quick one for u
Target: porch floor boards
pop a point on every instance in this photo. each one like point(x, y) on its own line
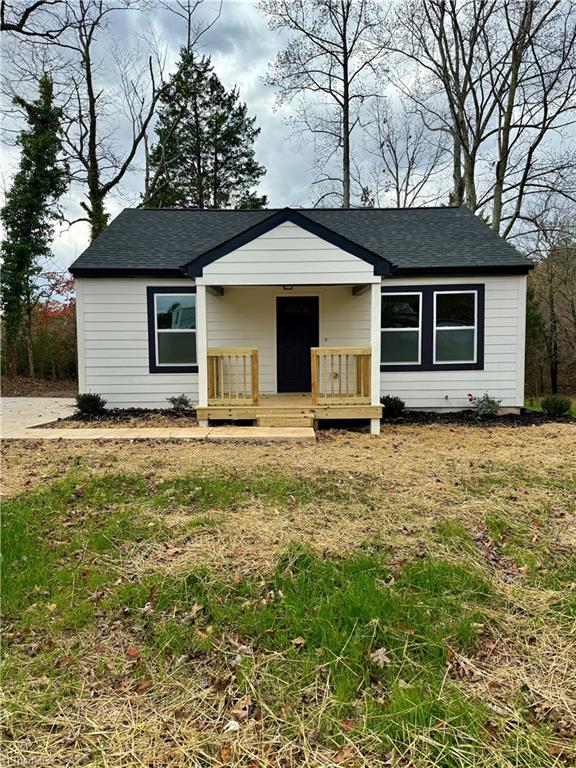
point(291, 409)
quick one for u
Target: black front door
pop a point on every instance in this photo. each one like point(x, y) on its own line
point(296, 332)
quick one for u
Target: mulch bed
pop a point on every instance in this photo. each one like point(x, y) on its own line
point(526, 418)
point(130, 417)
point(162, 417)
point(24, 386)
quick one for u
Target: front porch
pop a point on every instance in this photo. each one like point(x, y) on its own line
point(288, 355)
point(340, 389)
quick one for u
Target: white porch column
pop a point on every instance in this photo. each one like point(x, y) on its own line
point(202, 345)
point(375, 338)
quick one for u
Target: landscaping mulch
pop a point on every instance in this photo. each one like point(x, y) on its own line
point(129, 417)
point(527, 418)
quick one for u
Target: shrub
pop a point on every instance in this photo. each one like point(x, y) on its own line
point(181, 403)
point(556, 406)
point(392, 406)
point(486, 406)
point(90, 404)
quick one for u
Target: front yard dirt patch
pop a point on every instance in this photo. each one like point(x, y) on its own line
point(23, 386)
point(406, 600)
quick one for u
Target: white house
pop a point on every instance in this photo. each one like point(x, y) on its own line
point(287, 316)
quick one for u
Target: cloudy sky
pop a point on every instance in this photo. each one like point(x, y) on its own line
point(241, 46)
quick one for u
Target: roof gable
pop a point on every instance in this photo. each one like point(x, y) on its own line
point(195, 267)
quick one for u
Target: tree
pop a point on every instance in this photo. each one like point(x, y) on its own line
point(332, 54)
point(45, 19)
point(204, 156)
point(108, 96)
point(553, 287)
point(501, 82)
point(409, 161)
point(30, 213)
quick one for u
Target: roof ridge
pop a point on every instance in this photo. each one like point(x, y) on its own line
point(293, 208)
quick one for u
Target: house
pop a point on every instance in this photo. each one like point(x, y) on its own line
point(285, 316)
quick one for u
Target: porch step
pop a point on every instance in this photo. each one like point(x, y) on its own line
point(285, 420)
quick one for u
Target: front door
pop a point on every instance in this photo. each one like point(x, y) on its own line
point(297, 329)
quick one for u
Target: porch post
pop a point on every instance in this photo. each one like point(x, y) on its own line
point(202, 346)
point(375, 337)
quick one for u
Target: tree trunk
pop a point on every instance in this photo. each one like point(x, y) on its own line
point(553, 340)
point(345, 129)
point(96, 214)
point(11, 354)
point(29, 343)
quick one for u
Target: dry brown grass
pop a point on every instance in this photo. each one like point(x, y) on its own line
point(403, 486)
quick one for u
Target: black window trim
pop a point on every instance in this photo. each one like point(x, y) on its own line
point(427, 333)
point(153, 366)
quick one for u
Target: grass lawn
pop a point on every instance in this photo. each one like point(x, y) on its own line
point(406, 600)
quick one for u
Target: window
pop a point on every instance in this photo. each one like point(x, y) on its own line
point(400, 328)
point(172, 330)
point(432, 327)
point(454, 327)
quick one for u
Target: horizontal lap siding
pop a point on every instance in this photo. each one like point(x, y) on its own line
point(288, 254)
point(503, 372)
point(245, 316)
point(114, 348)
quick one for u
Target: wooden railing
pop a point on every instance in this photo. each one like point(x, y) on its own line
point(233, 376)
point(341, 375)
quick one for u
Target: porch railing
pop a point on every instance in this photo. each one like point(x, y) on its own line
point(233, 376)
point(341, 375)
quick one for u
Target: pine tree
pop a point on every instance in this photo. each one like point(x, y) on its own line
point(204, 156)
point(29, 214)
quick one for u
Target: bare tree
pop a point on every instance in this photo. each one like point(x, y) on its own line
point(188, 11)
point(501, 80)
point(409, 161)
point(553, 283)
point(46, 19)
point(108, 96)
point(327, 68)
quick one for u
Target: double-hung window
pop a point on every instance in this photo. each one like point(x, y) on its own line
point(172, 330)
point(401, 328)
point(432, 327)
point(455, 323)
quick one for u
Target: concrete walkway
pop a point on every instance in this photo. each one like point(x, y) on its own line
point(211, 434)
point(22, 412)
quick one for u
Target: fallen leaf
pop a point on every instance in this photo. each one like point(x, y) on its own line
point(380, 657)
point(124, 685)
point(134, 653)
point(225, 753)
point(347, 723)
point(143, 686)
point(242, 708)
point(298, 642)
point(343, 755)
point(232, 726)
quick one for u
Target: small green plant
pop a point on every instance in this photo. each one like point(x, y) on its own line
point(181, 403)
point(486, 406)
point(392, 406)
point(89, 404)
point(556, 406)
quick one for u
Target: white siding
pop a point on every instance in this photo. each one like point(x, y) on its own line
point(246, 317)
point(113, 344)
point(503, 374)
point(290, 255)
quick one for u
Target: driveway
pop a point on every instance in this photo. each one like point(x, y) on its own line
point(19, 412)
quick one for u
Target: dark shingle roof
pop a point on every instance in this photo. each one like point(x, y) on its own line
point(162, 241)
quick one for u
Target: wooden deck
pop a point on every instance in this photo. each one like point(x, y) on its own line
point(287, 410)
